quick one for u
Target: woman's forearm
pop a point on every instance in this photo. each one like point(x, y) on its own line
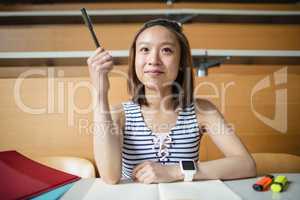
point(107, 147)
point(226, 168)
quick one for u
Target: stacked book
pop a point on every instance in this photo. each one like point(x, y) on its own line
point(23, 178)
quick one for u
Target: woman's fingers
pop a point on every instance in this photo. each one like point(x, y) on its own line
point(148, 180)
point(104, 66)
point(101, 56)
point(144, 175)
point(139, 167)
point(99, 64)
point(140, 173)
point(102, 61)
point(96, 52)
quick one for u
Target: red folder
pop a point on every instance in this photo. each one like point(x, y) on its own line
point(23, 178)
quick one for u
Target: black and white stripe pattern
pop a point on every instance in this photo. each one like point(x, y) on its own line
point(138, 143)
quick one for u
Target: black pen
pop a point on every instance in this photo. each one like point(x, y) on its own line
point(89, 24)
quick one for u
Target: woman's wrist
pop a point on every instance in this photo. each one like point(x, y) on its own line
point(176, 172)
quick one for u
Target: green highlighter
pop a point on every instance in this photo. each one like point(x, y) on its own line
point(279, 184)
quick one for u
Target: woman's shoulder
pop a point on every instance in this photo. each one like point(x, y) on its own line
point(128, 103)
point(207, 113)
point(205, 107)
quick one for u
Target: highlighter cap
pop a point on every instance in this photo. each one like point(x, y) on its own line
point(257, 187)
point(280, 183)
point(276, 187)
point(281, 179)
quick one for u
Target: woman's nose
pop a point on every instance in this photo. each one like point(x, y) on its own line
point(154, 58)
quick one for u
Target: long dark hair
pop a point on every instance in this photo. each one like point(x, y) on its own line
point(182, 87)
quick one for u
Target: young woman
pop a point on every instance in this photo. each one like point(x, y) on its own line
point(155, 137)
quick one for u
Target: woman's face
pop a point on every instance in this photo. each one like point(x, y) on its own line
point(157, 57)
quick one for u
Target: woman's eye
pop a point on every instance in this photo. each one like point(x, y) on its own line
point(167, 50)
point(144, 49)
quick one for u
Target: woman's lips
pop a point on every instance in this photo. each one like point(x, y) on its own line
point(153, 72)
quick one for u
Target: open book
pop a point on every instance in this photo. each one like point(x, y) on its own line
point(97, 189)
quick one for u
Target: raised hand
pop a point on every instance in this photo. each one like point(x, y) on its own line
point(100, 63)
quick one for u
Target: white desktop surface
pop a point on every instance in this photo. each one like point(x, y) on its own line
point(242, 187)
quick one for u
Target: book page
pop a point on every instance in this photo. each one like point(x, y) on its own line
point(200, 190)
point(124, 190)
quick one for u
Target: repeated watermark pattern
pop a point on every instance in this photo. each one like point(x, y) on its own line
point(279, 122)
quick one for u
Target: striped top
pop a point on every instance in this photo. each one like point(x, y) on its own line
point(141, 144)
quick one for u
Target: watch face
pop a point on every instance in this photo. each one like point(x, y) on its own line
point(188, 165)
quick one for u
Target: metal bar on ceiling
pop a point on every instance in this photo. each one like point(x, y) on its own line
point(78, 58)
point(142, 15)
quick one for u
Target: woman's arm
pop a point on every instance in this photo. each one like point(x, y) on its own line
point(107, 123)
point(108, 143)
point(237, 163)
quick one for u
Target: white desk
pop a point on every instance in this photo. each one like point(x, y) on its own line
point(243, 188)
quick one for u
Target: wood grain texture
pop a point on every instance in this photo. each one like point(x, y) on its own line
point(119, 36)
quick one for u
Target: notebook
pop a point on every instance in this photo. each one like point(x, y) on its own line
point(23, 178)
point(211, 190)
point(55, 193)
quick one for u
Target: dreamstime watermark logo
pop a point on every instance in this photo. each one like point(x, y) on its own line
point(279, 122)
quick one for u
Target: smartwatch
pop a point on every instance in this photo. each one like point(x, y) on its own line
point(188, 168)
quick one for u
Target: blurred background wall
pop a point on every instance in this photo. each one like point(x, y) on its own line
point(60, 129)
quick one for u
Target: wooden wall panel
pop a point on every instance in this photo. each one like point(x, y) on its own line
point(257, 136)
point(119, 36)
point(52, 133)
point(256, 144)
